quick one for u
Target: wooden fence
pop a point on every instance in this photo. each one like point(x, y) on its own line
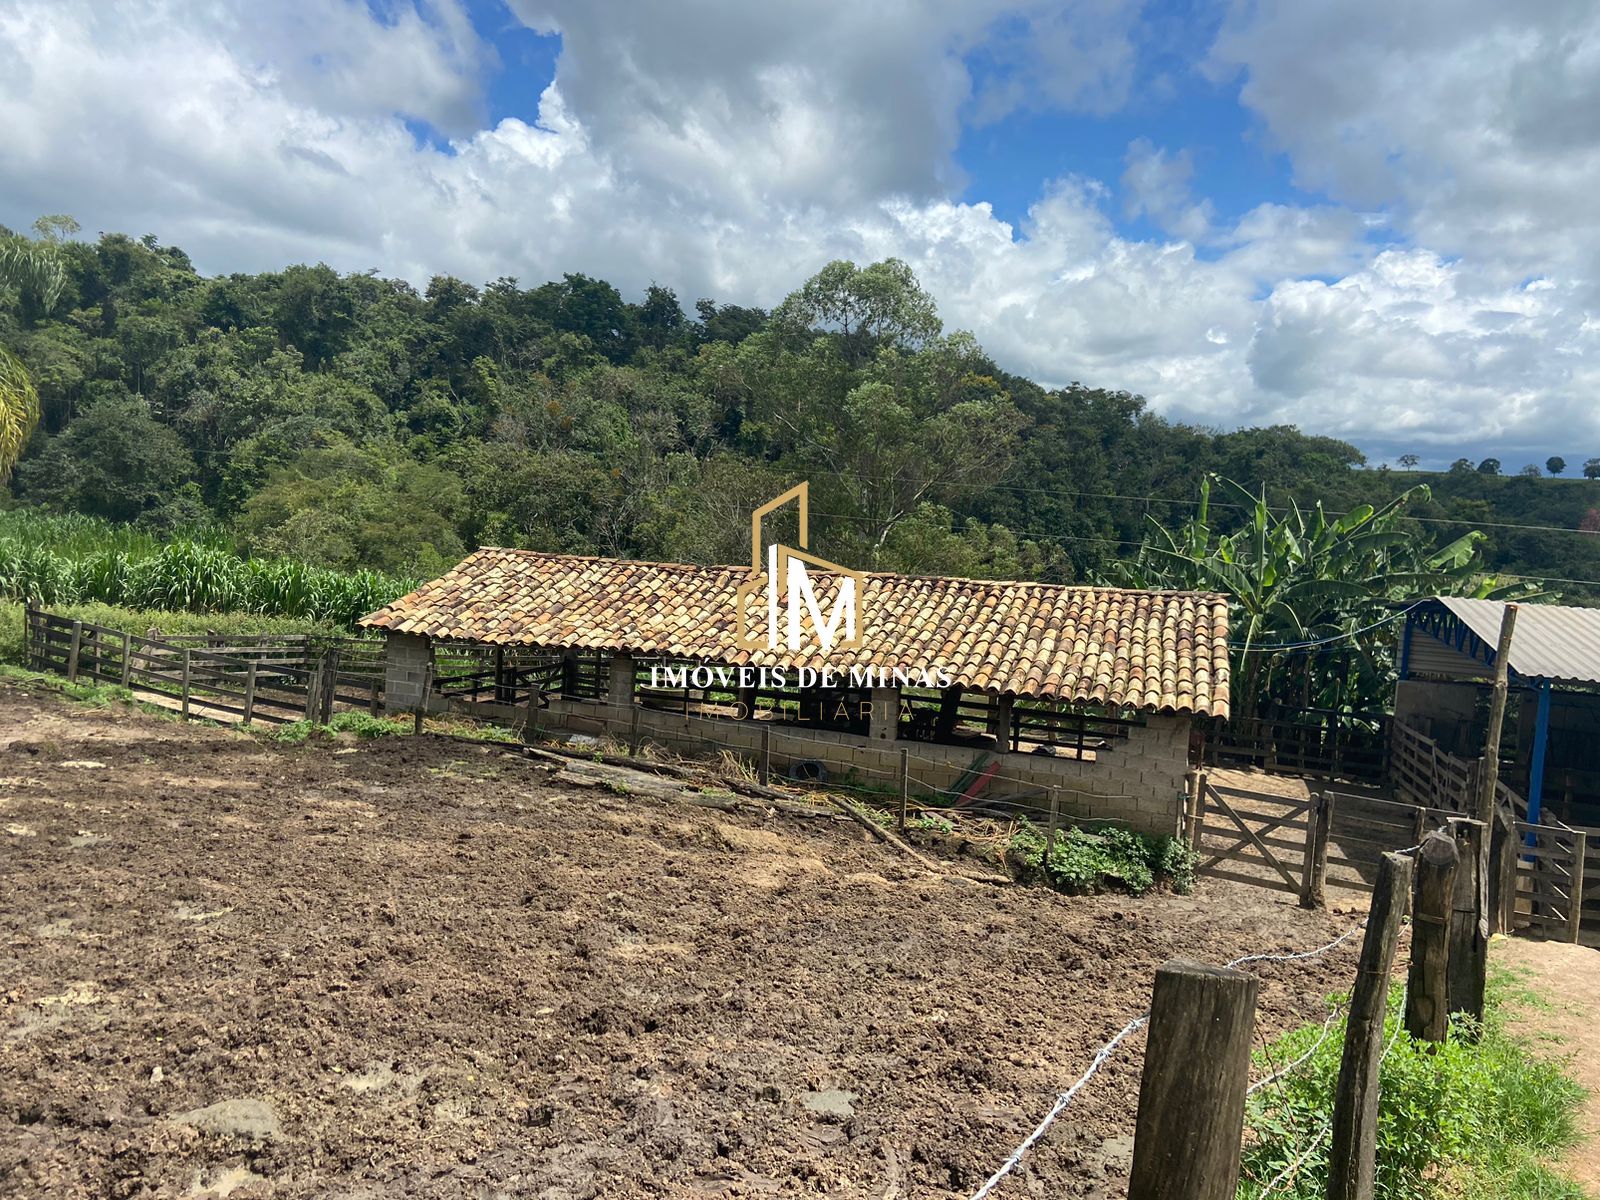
point(1317, 743)
point(271, 679)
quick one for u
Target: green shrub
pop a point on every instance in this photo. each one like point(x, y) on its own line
point(1480, 1113)
point(1081, 862)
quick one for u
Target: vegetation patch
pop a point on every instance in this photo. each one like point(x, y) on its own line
point(54, 560)
point(1080, 861)
point(1475, 1118)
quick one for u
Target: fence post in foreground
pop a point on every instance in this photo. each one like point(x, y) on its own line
point(1196, 1070)
point(1427, 984)
point(1469, 948)
point(1353, 1152)
point(186, 653)
point(74, 650)
point(905, 787)
point(766, 753)
point(127, 657)
point(633, 732)
point(250, 692)
point(1055, 820)
point(1314, 877)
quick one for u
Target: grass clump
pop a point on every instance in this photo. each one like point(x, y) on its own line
point(1081, 861)
point(1472, 1118)
point(363, 725)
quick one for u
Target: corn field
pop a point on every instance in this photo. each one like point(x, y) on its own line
point(47, 560)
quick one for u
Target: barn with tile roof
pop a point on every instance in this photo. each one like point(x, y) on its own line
point(998, 689)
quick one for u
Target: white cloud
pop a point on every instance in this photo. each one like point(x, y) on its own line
point(730, 150)
point(1156, 184)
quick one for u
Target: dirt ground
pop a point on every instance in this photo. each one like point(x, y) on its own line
point(1567, 978)
point(414, 967)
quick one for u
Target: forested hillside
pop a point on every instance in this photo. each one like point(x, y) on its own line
point(352, 421)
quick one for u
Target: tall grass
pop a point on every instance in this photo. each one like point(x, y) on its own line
point(1476, 1119)
point(60, 560)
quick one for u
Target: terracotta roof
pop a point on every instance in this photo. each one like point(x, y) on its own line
point(1157, 651)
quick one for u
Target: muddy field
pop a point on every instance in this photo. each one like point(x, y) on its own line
point(417, 967)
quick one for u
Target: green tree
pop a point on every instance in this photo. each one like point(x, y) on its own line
point(115, 461)
point(345, 506)
point(1489, 466)
point(1555, 464)
point(1591, 469)
point(1409, 461)
point(855, 387)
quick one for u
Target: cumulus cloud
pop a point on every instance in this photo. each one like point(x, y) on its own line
point(1440, 294)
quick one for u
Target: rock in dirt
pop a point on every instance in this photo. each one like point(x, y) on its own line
point(82, 764)
point(831, 1103)
point(237, 1118)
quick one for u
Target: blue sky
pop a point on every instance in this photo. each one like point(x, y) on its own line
point(1373, 221)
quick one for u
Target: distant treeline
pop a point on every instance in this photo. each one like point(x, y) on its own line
point(352, 422)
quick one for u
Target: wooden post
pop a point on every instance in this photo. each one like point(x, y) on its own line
point(1469, 947)
point(1489, 775)
point(127, 657)
point(1502, 874)
point(74, 650)
point(633, 731)
point(330, 683)
point(1055, 818)
point(1489, 769)
point(905, 787)
point(1352, 1155)
point(375, 705)
point(1197, 808)
point(250, 691)
point(186, 653)
point(766, 753)
point(1314, 880)
point(422, 704)
point(1580, 850)
point(1191, 1096)
point(1427, 992)
point(1419, 825)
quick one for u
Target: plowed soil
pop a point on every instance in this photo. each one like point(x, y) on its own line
point(416, 967)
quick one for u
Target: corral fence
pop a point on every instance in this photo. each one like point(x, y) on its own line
point(1540, 870)
point(1323, 743)
point(275, 679)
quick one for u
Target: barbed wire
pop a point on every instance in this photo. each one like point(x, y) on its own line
point(1289, 1068)
point(1105, 1052)
point(1292, 1168)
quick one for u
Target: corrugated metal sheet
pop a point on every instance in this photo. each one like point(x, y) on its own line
point(1552, 641)
point(1427, 656)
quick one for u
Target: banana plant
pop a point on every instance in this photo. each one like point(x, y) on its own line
point(1313, 596)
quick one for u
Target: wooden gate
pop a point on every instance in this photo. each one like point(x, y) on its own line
point(1551, 865)
point(1253, 837)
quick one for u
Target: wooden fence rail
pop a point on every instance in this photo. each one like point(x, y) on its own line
point(275, 679)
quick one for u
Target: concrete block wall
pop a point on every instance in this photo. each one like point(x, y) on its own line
point(1138, 782)
point(405, 674)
